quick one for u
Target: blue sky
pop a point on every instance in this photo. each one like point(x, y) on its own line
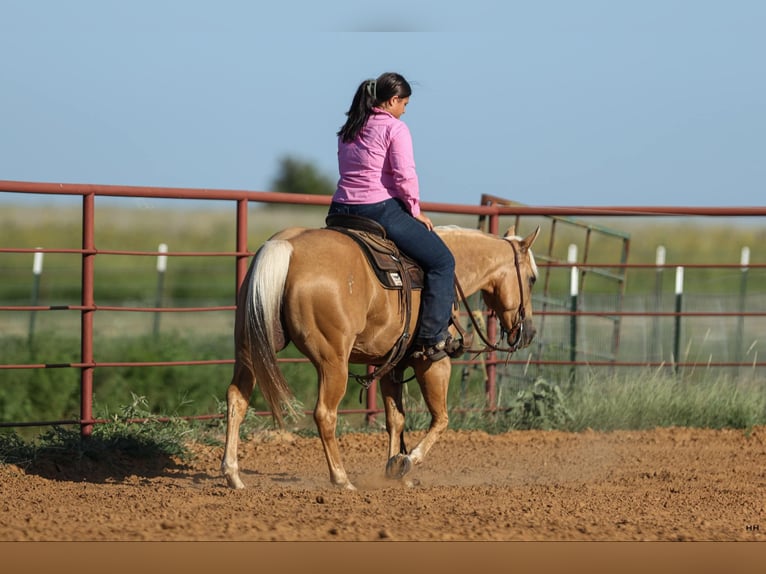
point(547, 103)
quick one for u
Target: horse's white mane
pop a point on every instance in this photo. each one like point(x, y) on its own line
point(458, 229)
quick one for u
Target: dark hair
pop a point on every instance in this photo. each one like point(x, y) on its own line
point(369, 94)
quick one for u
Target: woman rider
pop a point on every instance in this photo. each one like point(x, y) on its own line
point(378, 181)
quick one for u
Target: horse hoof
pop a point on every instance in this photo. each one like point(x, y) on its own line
point(235, 482)
point(398, 466)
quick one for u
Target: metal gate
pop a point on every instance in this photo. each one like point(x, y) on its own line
point(561, 260)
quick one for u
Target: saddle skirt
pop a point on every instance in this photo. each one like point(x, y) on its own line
point(393, 269)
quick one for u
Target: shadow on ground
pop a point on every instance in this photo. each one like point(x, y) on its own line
point(92, 459)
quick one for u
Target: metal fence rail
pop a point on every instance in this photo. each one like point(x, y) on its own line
point(240, 201)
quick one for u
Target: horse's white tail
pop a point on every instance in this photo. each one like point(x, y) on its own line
point(261, 330)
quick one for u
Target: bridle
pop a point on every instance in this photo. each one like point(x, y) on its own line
point(516, 331)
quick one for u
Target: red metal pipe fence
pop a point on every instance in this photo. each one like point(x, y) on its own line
point(88, 306)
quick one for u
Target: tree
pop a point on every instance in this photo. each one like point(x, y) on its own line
point(299, 176)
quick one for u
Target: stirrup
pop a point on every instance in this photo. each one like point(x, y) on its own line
point(448, 347)
point(454, 347)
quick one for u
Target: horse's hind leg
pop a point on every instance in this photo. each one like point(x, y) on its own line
point(332, 387)
point(237, 400)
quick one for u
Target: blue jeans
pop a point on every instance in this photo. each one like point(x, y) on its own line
point(428, 250)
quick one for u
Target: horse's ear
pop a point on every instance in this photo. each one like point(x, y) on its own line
point(527, 242)
point(511, 231)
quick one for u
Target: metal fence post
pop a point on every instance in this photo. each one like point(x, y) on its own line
point(241, 245)
point(37, 270)
point(86, 314)
point(372, 395)
point(745, 263)
point(654, 344)
point(574, 290)
point(162, 265)
point(679, 305)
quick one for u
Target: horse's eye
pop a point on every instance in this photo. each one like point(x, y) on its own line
point(532, 280)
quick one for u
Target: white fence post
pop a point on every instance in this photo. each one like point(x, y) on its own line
point(574, 289)
point(37, 271)
point(679, 305)
point(744, 261)
point(162, 265)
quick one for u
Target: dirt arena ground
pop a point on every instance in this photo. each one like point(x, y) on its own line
point(661, 485)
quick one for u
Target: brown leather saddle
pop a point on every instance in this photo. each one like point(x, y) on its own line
point(393, 268)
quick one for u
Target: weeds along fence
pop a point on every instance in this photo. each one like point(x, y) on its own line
point(705, 313)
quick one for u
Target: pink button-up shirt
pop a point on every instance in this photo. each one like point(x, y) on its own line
point(379, 164)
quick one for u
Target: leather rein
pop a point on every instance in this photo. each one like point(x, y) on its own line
point(516, 330)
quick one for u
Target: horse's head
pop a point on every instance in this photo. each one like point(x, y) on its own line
point(510, 295)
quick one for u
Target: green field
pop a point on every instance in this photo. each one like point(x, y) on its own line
point(600, 398)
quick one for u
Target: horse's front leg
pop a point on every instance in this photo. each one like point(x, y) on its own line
point(332, 387)
point(391, 388)
point(434, 382)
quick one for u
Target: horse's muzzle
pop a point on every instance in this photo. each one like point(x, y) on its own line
point(521, 335)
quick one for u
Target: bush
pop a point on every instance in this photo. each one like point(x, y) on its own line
point(540, 407)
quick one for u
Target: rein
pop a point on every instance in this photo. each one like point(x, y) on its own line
point(518, 328)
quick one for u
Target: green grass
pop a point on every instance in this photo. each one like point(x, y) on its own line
point(633, 402)
point(646, 400)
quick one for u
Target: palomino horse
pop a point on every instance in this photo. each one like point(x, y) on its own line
point(314, 287)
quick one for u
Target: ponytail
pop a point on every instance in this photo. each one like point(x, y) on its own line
point(370, 94)
point(361, 108)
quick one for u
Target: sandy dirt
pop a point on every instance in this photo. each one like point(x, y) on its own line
point(664, 484)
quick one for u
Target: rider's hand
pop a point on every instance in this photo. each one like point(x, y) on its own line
point(424, 219)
